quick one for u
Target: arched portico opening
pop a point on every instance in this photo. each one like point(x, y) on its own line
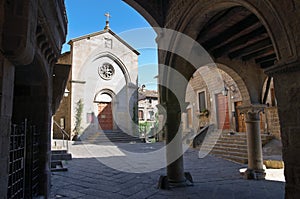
point(239, 37)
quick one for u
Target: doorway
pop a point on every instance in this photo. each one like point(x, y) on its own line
point(105, 116)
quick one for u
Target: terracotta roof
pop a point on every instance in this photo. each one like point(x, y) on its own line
point(143, 94)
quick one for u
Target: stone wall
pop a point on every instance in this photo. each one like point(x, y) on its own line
point(210, 81)
point(273, 121)
point(64, 110)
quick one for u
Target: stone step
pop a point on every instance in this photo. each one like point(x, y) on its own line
point(226, 144)
point(58, 160)
point(223, 148)
point(58, 166)
point(118, 137)
point(230, 153)
point(230, 146)
point(233, 158)
point(66, 156)
point(55, 152)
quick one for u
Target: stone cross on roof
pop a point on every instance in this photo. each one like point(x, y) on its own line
point(107, 16)
point(107, 20)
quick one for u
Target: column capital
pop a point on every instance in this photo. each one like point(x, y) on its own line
point(252, 112)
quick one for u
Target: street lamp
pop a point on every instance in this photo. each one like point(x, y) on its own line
point(66, 93)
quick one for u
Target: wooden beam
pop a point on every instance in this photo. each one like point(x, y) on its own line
point(231, 31)
point(222, 21)
point(267, 64)
point(251, 49)
point(242, 41)
point(266, 58)
point(261, 53)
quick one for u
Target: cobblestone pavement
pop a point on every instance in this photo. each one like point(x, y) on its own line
point(88, 177)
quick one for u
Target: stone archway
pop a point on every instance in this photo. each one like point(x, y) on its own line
point(253, 75)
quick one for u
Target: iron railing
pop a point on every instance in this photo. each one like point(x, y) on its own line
point(64, 134)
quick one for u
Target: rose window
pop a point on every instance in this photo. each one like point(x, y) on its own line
point(106, 71)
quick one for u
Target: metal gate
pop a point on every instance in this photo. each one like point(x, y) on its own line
point(32, 162)
point(16, 178)
point(23, 162)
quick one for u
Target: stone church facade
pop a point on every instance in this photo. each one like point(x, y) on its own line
point(104, 80)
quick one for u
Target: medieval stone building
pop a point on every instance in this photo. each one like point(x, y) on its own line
point(218, 103)
point(255, 39)
point(104, 80)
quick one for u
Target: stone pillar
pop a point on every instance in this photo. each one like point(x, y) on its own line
point(287, 91)
point(6, 106)
point(255, 168)
point(175, 169)
point(176, 177)
point(43, 123)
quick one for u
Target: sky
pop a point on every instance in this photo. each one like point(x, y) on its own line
point(87, 16)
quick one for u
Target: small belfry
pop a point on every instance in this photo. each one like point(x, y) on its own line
point(108, 16)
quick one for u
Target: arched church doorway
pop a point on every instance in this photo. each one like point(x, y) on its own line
point(105, 115)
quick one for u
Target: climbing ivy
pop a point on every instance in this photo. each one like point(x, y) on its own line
point(78, 118)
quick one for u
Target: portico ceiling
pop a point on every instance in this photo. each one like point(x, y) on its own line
point(238, 34)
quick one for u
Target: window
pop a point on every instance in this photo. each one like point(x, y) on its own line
point(189, 118)
point(151, 115)
point(106, 71)
point(202, 101)
point(90, 117)
point(141, 115)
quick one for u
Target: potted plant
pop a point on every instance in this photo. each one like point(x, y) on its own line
point(204, 112)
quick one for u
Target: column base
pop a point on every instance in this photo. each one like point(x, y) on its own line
point(165, 183)
point(251, 174)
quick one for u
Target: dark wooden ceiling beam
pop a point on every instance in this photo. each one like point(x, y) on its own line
point(266, 58)
point(240, 34)
point(222, 21)
point(231, 31)
point(267, 64)
point(251, 48)
point(248, 39)
point(260, 53)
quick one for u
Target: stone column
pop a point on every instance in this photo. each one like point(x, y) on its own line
point(6, 106)
point(255, 168)
point(287, 91)
point(175, 169)
point(176, 177)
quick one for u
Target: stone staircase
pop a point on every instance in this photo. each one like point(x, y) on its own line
point(59, 159)
point(111, 136)
point(231, 146)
